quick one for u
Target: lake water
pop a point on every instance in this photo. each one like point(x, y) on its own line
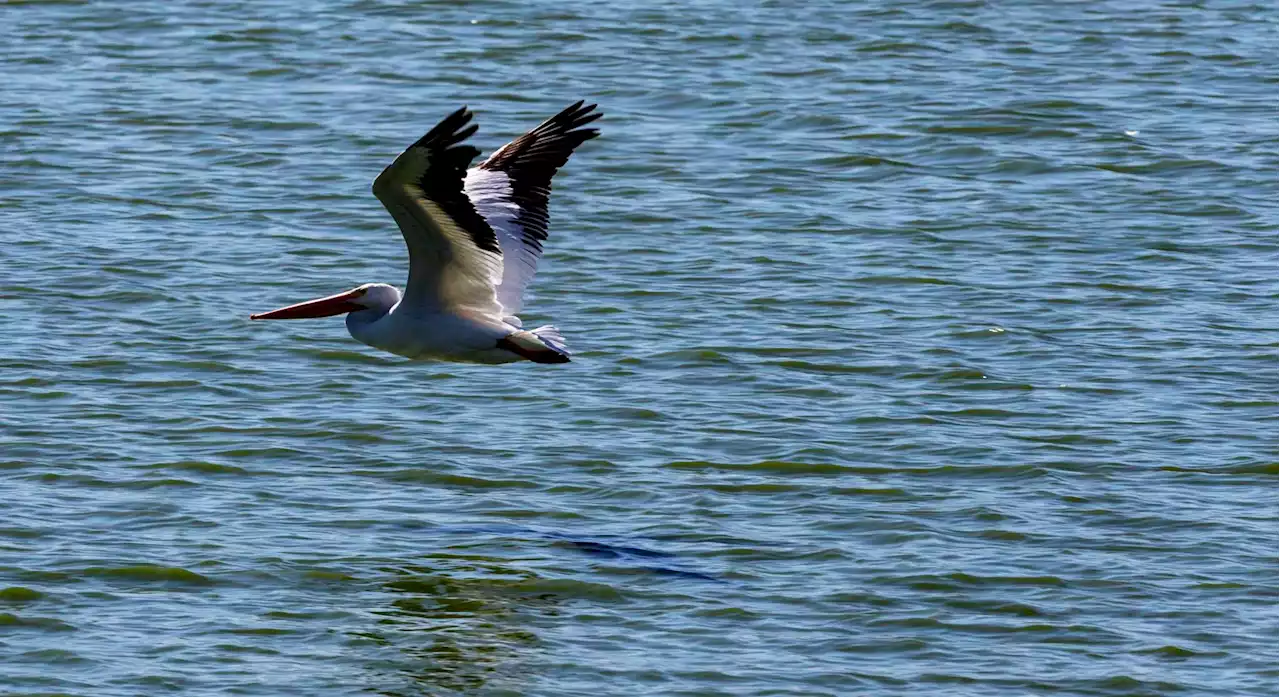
point(922, 348)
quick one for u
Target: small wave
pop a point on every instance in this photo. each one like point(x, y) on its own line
point(49, 624)
point(197, 466)
point(19, 594)
point(150, 573)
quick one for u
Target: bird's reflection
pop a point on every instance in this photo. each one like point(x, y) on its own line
point(466, 622)
point(461, 622)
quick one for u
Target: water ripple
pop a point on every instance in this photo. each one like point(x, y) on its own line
point(923, 347)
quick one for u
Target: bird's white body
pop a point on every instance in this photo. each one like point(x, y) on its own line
point(443, 336)
point(474, 237)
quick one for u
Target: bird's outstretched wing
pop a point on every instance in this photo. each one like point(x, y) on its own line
point(455, 258)
point(511, 188)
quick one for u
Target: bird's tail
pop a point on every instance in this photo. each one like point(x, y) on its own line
point(541, 345)
point(552, 338)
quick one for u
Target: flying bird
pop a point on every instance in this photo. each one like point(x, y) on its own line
point(474, 236)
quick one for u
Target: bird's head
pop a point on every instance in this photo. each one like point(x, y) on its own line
point(370, 296)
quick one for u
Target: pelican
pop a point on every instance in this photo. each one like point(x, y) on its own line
point(474, 236)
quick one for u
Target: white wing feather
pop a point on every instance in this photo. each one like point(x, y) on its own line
point(490, 191)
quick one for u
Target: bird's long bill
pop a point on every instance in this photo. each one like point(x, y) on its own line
point(322, 307)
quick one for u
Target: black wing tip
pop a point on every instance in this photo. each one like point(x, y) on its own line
point(470, 152)
point(576, 116)
point(463, 134)
point(548, 146)
point(570, 119)
point(455, 120)
point(459, 118)
point(451, 131)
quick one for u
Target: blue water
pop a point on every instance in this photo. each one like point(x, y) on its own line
point(921, 348)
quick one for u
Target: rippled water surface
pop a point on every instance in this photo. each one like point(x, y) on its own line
point(923, 348)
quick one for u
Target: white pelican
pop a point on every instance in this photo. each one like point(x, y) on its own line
point(474, 238)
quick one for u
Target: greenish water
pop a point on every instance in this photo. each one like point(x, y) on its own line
point(923, 348)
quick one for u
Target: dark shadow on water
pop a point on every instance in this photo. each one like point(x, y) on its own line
point(635, 557)
point(602, 547)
